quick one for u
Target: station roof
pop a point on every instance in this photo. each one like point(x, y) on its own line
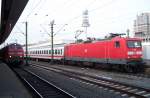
point(10, 13)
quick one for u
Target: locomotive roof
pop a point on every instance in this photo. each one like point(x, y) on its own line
point(106, 39)
point(14, 44)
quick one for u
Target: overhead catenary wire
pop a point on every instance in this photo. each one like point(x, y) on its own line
point(76, 17)
point(20, 30)
point(103, 6)
point(90, 11)
point(33, 9)
point(80, 15)
point(64, 4)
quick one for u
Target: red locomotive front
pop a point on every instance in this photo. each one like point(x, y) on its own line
point(13, 54)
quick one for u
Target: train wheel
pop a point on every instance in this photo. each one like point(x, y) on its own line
point(129, 68)
point(140, 68)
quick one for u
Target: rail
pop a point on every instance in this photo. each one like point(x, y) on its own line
point(124, 88)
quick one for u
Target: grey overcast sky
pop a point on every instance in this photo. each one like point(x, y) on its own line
point(105, 16)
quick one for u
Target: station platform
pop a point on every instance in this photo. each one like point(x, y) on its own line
point(10, 85)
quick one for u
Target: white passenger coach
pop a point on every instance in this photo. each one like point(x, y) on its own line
point(42, 50)
point(146, 52)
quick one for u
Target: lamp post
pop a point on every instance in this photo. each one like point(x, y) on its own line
point(26, 36)
point(128, 33)
point(26, 41)
point(52, 37)
point(52, 50)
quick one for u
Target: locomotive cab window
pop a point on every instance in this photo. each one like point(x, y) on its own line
point(134, 44)
point(117, 44)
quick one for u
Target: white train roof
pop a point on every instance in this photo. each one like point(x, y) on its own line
point(57, 43)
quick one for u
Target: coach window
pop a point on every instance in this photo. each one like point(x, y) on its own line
point(117, 44)
point(58, 51)
point(49, 51)
point(61, 51)
point(55, 51)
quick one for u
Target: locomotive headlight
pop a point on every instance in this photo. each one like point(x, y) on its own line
point(10, 56)
point(139, 52)
point(130, 52)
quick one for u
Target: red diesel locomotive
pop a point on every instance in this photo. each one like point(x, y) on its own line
point(118, 52)
point(12, 54)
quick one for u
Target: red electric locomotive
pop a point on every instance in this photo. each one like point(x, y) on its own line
point(116, 52)
point(12, 54)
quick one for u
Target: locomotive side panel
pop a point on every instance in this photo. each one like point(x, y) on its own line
point(90, 52)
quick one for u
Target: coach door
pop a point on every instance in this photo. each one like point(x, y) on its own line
point(66, 52)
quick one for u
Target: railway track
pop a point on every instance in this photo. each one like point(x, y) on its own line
point(124, 89)
point(139, 75)
point(42, 87)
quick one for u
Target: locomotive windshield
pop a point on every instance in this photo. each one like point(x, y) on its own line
point(134, 44)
